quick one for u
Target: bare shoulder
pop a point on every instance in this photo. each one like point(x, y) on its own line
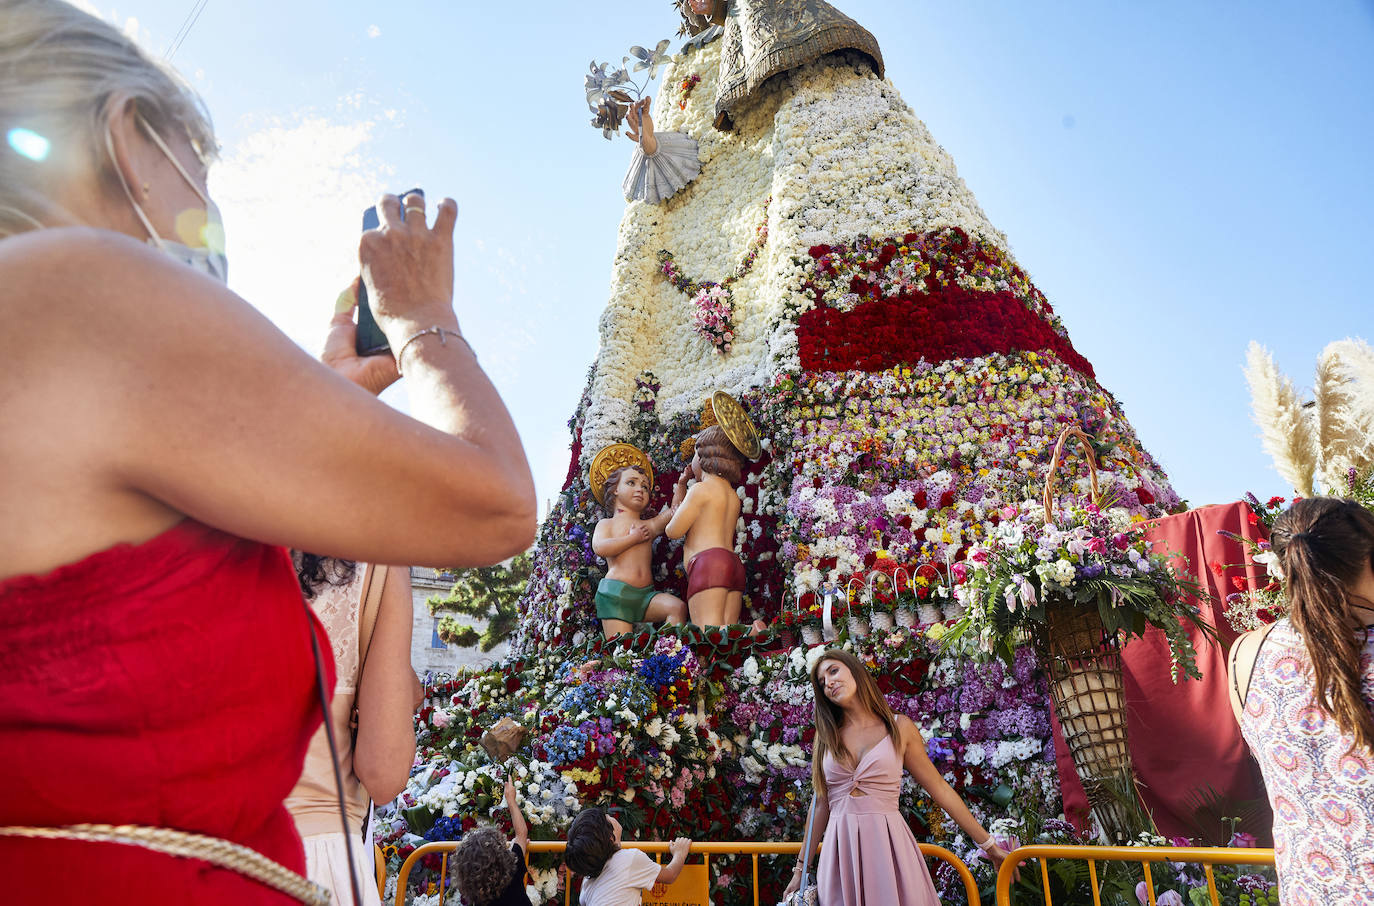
point(907, 729)
point(82, 278)
point(36, 265)
point(1246, 647)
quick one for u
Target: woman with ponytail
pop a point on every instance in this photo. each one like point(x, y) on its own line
point(1303, 693)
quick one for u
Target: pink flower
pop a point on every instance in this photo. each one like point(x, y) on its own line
point(1243, 840)
point(1097, 546)
point(1121, 541)
point(960, 571)
point(1167, 898)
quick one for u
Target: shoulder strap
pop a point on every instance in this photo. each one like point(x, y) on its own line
point(806, 844)
point(1254, 659)
point(374, 581)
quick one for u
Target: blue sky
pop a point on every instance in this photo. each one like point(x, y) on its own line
point(1178, 178)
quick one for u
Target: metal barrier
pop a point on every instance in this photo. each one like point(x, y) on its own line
point(704, 849)
point(379, 863)
point(1207, 856)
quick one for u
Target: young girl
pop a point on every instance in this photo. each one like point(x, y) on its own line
point(615, 876)
point(487, 870)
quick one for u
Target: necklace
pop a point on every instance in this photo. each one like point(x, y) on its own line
point(713, 303)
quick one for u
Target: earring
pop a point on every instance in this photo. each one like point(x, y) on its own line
point(145, 190)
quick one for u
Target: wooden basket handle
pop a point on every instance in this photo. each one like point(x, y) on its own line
point(1086, 441)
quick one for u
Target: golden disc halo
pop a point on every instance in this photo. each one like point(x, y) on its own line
point(616, 456)
point(736, 424)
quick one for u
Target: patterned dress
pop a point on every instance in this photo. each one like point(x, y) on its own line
point(1322, 795)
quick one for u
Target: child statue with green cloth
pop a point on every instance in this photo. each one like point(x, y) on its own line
point(622, 480)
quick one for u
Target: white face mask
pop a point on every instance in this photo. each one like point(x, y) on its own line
point(210, 258)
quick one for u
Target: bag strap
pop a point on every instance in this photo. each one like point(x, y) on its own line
point(374, 581)
point(806, 844)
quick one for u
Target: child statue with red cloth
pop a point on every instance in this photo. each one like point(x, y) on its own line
point(706, 514)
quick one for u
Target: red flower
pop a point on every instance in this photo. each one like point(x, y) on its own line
point(1274, 501)
point(948, 322)
point(1144, 496)
point(1217, 568)
point(1254, 520)
point(1238, 583)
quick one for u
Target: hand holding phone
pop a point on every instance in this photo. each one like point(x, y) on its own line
point(371, 340)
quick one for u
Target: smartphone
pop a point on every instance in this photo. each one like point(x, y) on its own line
point(371, 340)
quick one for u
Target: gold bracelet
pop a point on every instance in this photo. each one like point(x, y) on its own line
point(440, 332)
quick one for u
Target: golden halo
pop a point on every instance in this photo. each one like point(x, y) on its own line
point(736, 424)
point(616, 456)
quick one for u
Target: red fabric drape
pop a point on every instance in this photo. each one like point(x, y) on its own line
point(1183, 737)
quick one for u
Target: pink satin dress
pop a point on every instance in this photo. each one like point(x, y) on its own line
point(869, 856)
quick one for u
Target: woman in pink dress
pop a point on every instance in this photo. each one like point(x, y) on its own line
point(1303, 692)
point(870, 857)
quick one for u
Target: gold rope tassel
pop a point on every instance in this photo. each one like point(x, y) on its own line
point(221, 853)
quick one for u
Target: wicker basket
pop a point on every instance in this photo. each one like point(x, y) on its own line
point(1084, 665)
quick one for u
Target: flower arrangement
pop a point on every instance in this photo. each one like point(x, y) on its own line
point(685, 89)
point(1083, 556)
point(609, 90)
point(713, 304)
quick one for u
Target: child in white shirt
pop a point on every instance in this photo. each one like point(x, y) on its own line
point(613, 876)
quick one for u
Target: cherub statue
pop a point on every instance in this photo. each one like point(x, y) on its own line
point(706, 515)
point(622, 482)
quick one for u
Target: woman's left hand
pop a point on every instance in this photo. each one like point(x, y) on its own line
point(373, 373)
point(997, 855)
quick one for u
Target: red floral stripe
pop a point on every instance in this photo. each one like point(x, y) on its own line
point(950, 323)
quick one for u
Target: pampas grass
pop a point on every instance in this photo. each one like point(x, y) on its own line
point(1317, 444)
point(1286, 428)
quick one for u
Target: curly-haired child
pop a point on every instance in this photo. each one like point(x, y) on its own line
point(613, 876)
point(488, 870)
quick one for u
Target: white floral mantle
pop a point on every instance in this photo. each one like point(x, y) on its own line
point(841, 155)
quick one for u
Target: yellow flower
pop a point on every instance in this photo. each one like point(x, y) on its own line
point(936, 631)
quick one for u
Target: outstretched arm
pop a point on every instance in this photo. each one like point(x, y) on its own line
point(179, 398)
point(518, 825)
point(660, 522)
point(679, 849)
point(917, 762)
point(686, 507)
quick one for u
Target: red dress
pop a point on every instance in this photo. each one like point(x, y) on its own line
point(168, 684)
